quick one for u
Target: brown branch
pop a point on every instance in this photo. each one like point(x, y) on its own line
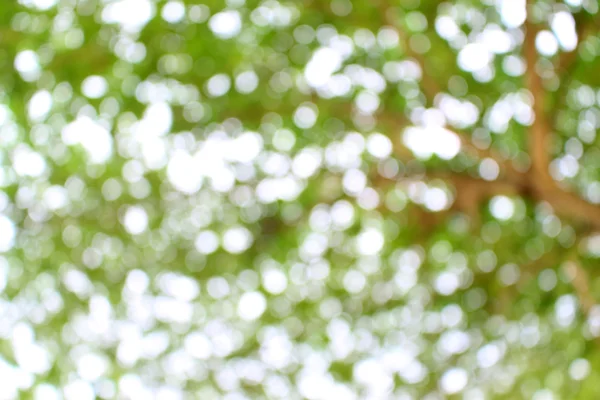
point(579, 281)
point(567, 259)
point(396, 122)
point(469, 192)
point(529, 270)
point(540, 129)
point(507, 168)
point(484, 189)
point(571, 205)
point(541, 183)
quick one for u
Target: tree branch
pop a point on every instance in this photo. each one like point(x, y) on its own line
point(579, 281)
point(540, 129)
point(571, 205)
point(469, 192)
point(396, 123)
point(543, 186)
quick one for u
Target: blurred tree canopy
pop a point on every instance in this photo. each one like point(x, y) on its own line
point(386, 199)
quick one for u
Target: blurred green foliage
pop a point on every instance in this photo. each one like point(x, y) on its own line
point(261, 199)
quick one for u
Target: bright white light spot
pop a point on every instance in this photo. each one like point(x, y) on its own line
point(222, 179)
point(354, 181)
point(367, 102)
point(379, 145)
point(446, 283)
point(43, 4)
point(94, 138)
point(276, 164)
point(488, 355)
point(237, 240)
point(284, 140)
point(373, 375)
point(338, 85)
point(579, 369)
point(497, 40)
point(426, 141)
point(112, 189)
point(342, 214)
point(436, 199)
point(27, 162)
point(543, 394)
point(388, 38)
point(324, 62)
point(474, 57)
point(563, 26)
point(246, 82)
point(368, 199)
point(207, 242)
point(154, 153)
point(320, 220)
point(251, 306)
point(306, 163)
point(446, 27)
point(132, 15)
point(32, 357)
point(407, 71)
point(454, 380)
point(4, 114)
point(218, 85)
point(217, 287)
point(55, 197)
point(137, 281)
point(157, 121)
point(565, 310)
point(173, 12)
point(457, 112)
point(178, 286)
point(45, 391)
point(369, 242)
point(244, 148)
point(79, 390)
point(197, 345)
point(287, 188)
point(513, 12)
point(502, 208)
point(39, 105)
point(565, 167)
point(92, 366)
point(364, 38)
point(135, 220)
point(274, 281)
point(28, 65)
point(183, 173)
point(513, 65)
point(509, 274)
point(546, 43)
point(94, 86)
point(454, 342)
point(313, 246)
point(226, 24)
point(305, 116)
point(354, 281)
point(489, 169)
